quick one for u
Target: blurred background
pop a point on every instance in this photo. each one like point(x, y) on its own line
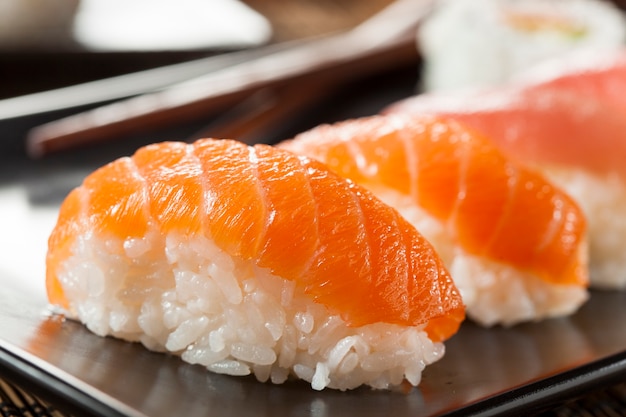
point(46, 44)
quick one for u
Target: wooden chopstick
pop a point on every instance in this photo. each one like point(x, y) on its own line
point(384, 41)
point(259, 116)
point(128, 85)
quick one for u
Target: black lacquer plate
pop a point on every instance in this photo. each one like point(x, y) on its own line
point(495, 371)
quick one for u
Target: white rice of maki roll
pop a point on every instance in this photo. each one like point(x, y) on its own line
point(484, 42)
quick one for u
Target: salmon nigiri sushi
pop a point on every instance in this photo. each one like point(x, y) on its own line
point(567, 118)
point(252, 260)
point(513, 242)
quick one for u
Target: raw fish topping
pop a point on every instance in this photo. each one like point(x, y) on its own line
point(289, 214)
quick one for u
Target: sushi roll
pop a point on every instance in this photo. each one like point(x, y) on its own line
point(564, 117)
point(514, 243)
point(471, 43)
point(251, 260)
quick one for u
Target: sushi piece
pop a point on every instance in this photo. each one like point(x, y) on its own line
point(466, 44)
point(565, 118)
point(252, 260)
point(514, 243)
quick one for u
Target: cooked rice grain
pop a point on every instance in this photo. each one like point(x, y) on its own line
point(187, 297)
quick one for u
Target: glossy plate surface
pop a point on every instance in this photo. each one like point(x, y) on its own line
point(485, 371)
